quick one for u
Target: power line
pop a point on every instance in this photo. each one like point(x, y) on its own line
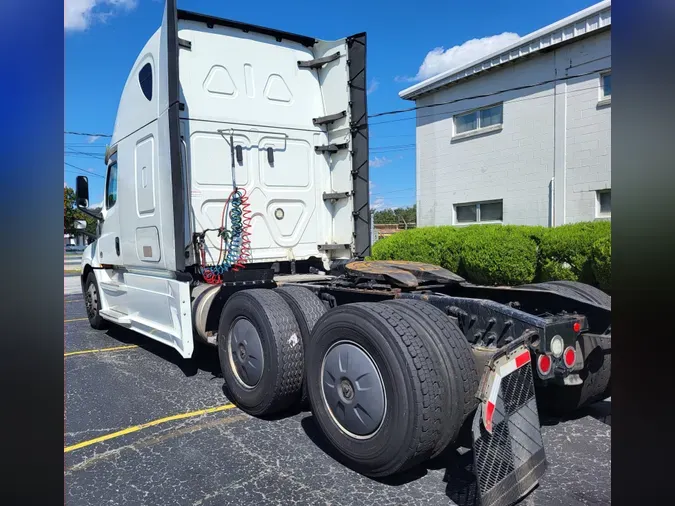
point(87, 134)
point(439, 104)
point(455, 111)
point(83, 153)
point(83, 170)
point(485, 95)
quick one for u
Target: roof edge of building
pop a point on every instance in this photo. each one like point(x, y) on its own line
point(594, 18)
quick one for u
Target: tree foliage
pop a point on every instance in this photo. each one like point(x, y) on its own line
point(400, 215)
point(71, 214)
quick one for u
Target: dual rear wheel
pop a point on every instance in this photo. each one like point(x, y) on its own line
point(390, 384)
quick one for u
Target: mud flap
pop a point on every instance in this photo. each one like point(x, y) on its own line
point(509, 456)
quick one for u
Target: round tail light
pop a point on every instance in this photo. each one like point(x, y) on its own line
point(569, 357)
point(544, 364)
point(557, 346)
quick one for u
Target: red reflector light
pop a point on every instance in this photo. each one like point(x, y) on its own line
point(489, 412)
point(544, 364)
point(576, 327)
point(522, 359)
point(569, 357)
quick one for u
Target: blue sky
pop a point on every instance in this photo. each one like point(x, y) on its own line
point(406, 42)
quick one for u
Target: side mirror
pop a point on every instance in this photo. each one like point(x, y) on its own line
point(82, 191)
point(80, 225)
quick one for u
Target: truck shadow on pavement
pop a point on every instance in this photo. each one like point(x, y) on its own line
point(204, 357)
point(457, 460)
point(601, 411)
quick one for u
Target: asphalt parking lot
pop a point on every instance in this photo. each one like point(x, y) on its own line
point(144, 426)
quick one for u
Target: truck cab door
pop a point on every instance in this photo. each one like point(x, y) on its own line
point(109, 247)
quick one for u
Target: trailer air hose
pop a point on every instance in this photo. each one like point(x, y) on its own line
point(237, 239)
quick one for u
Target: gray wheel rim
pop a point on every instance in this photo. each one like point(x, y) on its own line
point(352, 389)
point(246, 353)
point(91, 301)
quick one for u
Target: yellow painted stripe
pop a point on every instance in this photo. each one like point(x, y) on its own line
point(75, 320)
point(116, 348)
point(136, 428)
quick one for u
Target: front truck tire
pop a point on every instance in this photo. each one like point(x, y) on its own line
point(92, 302)
point(307, 309)
point(457, 363)
point(374, 389)
point(261, 352)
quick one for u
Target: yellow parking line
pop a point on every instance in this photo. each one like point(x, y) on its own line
point(75, 320)
point(115, 348)
point(136, 428)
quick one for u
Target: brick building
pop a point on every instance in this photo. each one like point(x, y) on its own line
point(537, 149)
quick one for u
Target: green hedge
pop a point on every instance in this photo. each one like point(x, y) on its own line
point(496, 255)
point(508, 254)
point(565, 251)
point(434, 245)
point(601, 261)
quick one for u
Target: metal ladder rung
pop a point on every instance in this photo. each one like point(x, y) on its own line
point(331, 148)
point(319, 62)
point(329, 119)
point(336, 195)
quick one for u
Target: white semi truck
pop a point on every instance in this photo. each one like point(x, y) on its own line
point(236, 214)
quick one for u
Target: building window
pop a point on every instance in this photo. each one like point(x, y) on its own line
point(479, 212)
point(111, 186)
point(145, 80)
point(479, 120)
point(606, 86)
point(604, 207)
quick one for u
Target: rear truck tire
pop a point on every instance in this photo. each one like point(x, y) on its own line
point(374, 389)
point(92, 302)
point(596, 375)
point(261, 351)
point(307, 309)
point(576, 290)
point(457, 365)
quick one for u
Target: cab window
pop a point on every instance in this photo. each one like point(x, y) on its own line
point(111, 186)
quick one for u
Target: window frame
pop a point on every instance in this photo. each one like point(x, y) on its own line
point(111, 165)
point(602, 98)
point(598, 208)
point(479, 129)
point(477, 206)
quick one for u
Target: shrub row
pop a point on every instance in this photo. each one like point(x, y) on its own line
point(508, 254)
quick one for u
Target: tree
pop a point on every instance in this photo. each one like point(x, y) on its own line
point(71, 214)
point(402, 215)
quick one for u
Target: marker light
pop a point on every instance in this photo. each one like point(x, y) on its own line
point(544, 364)
point(557, 346)
point(576, 327)
point(570, 357)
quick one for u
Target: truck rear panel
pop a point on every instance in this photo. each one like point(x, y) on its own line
point(283, 101)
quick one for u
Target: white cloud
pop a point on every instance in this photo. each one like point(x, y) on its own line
point(439, 59)
point(80, 14)
point(93, 138)
point(378, 203)
point(374, 85)
point(378, 162)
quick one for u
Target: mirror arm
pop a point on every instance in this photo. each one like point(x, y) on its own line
point(96, 216)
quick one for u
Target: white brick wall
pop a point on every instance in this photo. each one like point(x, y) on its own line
point(517, 163)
